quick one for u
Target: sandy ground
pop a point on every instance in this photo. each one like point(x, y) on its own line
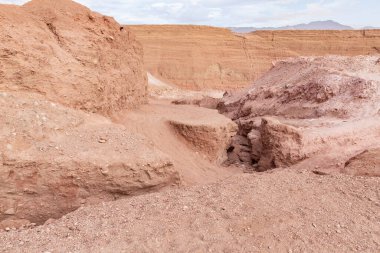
point(281, 211)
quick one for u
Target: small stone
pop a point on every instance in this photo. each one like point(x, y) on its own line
point(102, 140)
point(49, 221)
point(10, 211)
point(314, 225)
point(104, 171)
point(7, 229)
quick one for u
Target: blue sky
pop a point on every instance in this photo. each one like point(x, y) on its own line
point(258, 13)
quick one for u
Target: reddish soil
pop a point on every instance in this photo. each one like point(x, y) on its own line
point(282, 211)
point(84, 150)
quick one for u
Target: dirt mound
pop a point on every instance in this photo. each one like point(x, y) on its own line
point(282, 211)
point(303, 107)
point(365, 164)
point(54, 159)
point(71, 55)
point(202, 57)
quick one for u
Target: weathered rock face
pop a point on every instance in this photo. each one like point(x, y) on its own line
point(54, 159)
point(71, 55)
point(200, 57)
point(305, 108)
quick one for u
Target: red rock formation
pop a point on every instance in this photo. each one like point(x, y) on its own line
point(200, 57)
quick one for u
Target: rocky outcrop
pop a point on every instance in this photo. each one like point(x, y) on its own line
point(201, 57)
point(54, 159)
point(210, 138)
point(71, 55)
point(305, 108)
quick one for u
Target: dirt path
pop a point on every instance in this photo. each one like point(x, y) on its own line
point(152, 120)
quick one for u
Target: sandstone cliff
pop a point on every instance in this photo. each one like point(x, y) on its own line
point(71, 55)
point(199, 57)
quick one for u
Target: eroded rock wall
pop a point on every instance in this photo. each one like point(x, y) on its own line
point(201, 57)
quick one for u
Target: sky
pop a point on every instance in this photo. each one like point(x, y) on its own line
point(228, 13)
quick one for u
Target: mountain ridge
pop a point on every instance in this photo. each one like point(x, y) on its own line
point(314, 25)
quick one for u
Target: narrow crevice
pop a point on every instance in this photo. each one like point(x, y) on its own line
point(53, 30)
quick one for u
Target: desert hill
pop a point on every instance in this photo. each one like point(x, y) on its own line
point(71, 55)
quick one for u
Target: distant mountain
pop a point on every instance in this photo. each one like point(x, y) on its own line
point(370, 27)
point(316, 25)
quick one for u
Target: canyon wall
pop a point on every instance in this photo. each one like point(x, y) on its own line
point(201, 57)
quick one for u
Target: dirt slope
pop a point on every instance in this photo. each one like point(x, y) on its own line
point(71, 55)
point(196, 139)
point(201, 57)
point(284, 211)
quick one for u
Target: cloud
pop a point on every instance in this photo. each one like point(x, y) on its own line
point(235, 12)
